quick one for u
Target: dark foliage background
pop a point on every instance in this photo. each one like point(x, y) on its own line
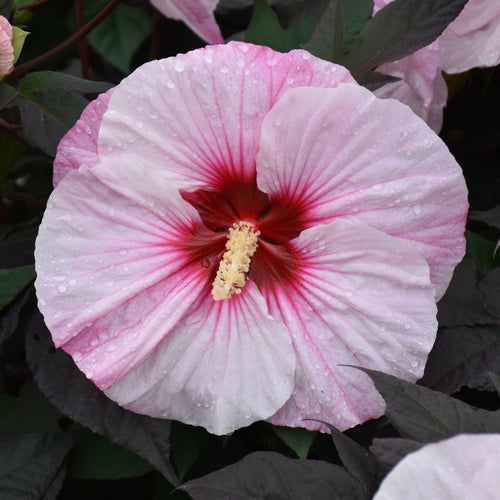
point(60, 437)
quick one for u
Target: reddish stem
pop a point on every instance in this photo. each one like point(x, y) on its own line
point(33, 5)
point(28, 66)
point(82, 44)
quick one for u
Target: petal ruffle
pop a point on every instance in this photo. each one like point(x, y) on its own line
point(113, 272)
point(197, 116)
point(225, 365)
point(421, 85)
point(358, 297)
point(342, 152)
point(79, 146)
point(473, 38)
point(464, 467)
point(197, 14)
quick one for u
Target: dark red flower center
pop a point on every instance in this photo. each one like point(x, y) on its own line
point(278, 223)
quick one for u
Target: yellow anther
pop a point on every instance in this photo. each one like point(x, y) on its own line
point(241, 245)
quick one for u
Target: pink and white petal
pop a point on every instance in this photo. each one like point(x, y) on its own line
point(197, 14)
point(6, 48)
point(342, 152)
point(79, 146)
point(113, 276)
point(197, 116)
point(464, 467)
point(225, 365)
point(473, 38)
point(421, 85)
point(359, 297)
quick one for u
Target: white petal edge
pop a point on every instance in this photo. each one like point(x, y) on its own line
point(224, 366)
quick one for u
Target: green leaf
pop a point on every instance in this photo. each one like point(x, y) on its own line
point(9, 318)
point(30, 462)
point(94, 457)
point(399, 29)
point(186, 444)
point(360, 462)
point(6, 8)
point(7, 95)
point(327, 41)
point(424, 415)
point(265, 28)
point(17, 243)
point(298, 439)
point(463, 356)
point(462, 304)
point(11, 149)
point(12, 282)
point(356, 14)
point(30, 412)
point(119, 36)
point(482, 252)
point(271, 475)
point(50, 105)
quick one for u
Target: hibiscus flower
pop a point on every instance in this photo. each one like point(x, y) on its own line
point(6, 48)
point(197, 14)
point(472, 40)
point(464, 467)
point(421, 84)
point(231, 225)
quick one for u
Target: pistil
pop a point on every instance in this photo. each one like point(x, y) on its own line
point(241, 245)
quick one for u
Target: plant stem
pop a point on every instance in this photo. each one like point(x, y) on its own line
point(82, 44)
point(33, 5)
point(28, 66)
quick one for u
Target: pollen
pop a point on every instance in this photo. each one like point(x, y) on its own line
point(241, 245)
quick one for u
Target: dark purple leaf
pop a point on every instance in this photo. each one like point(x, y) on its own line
point(271, 475)
point(77, 397)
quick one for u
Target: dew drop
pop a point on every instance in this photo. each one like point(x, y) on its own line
point(407, 326)
point(59, 277)
point(179, 65)
point(224, 69)
point(123, 252)
point(170, 84)
point(417, 209)
point(61, 289)
point(378, 187)
point(414, 364)
point(72, 282)
point(277, 122)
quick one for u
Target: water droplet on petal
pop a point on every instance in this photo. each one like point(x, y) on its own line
point(417, 209)
point(179, 65)
point(61, 289)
